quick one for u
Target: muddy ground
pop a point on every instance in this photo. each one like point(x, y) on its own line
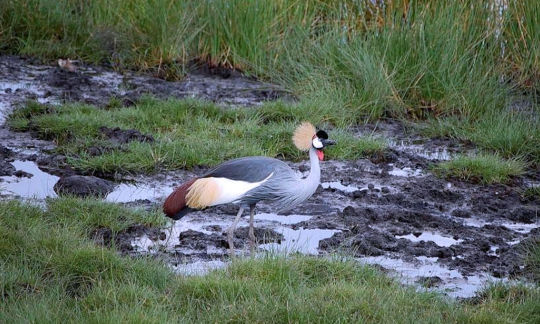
point(387, 210)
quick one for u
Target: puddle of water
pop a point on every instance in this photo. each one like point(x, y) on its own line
point(143, 244)
point(430, 236)
point(285, 220)
point(301, 240)
point(453, 282)
point(7, 99)
point(516, 227)
point(440, 153)
point(405, 172)
point(493, 250)
point(474, 222)
point(338, 186)
point(14, 86)
point(39, 186)
point(305, 241)
point(521, 227)
point(124, 193)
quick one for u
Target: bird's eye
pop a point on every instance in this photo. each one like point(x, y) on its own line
point(317, 143)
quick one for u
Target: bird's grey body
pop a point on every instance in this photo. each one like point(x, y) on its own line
point(279, 183)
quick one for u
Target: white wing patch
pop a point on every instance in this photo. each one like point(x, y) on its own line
point(233, 190)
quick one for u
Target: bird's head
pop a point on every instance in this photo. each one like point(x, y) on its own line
point(306, 137)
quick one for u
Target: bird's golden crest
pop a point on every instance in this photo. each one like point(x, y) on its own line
point(303, 136)
point(202, 193)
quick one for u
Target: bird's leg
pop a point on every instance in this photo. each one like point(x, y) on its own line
point(252, 238)
point(231, 231)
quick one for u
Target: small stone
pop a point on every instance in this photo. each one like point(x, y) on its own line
point(359, 193)
point(83, 186)
point(6, 169)
point(21, 173)
point(461, 213)
point(385, 190)
point(349, 211)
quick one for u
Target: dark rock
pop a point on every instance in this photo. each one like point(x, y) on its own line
point(461, 213)
point(6, 169)
point(523, 214)
point(440, 252)
point(483, 245)
point(349, 211)
point(359, 193)
point(21, 173)
point(83, 186)
point(5, 152)
point(213, 228)
point(102, 236)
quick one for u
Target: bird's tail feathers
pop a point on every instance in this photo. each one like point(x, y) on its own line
point(175, 205)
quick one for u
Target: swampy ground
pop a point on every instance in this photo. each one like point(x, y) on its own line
point(428, 206)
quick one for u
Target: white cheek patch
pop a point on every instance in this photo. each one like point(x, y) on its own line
point(317, 143)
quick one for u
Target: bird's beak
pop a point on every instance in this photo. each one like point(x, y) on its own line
point(327, 142)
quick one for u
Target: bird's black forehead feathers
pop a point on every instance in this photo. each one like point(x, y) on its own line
point(322, 134)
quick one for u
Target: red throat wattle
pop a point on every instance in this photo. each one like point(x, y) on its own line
point(320, 154)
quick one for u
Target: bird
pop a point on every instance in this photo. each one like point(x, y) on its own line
point(248, 180)
point(67, 65)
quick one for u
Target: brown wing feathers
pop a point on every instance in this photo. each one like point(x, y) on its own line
point(177, 199)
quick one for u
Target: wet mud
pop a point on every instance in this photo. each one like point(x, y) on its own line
point(386, 210)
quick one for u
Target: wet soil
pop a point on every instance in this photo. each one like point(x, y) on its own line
point(436, 233)
point(387, 210)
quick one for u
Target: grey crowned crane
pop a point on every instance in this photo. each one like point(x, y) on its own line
point(246, 181)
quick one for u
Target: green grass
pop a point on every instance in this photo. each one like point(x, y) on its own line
point(483, 168)
point(349, 60)
point(52, 272)
point(532, 192)
point(509, 134)
point(187, 133)
point(532, 259)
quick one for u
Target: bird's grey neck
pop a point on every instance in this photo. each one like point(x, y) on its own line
point(313, 179)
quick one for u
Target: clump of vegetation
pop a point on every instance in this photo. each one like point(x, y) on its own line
point(483, 168)
point(50, 270)
point(532, 192)
point(354, 60)
point(186, 133)
point(509, 134)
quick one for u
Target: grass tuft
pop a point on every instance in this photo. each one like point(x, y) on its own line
point(51, 271)
point(532, 192)
point(483, 168)
point(187, 133)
